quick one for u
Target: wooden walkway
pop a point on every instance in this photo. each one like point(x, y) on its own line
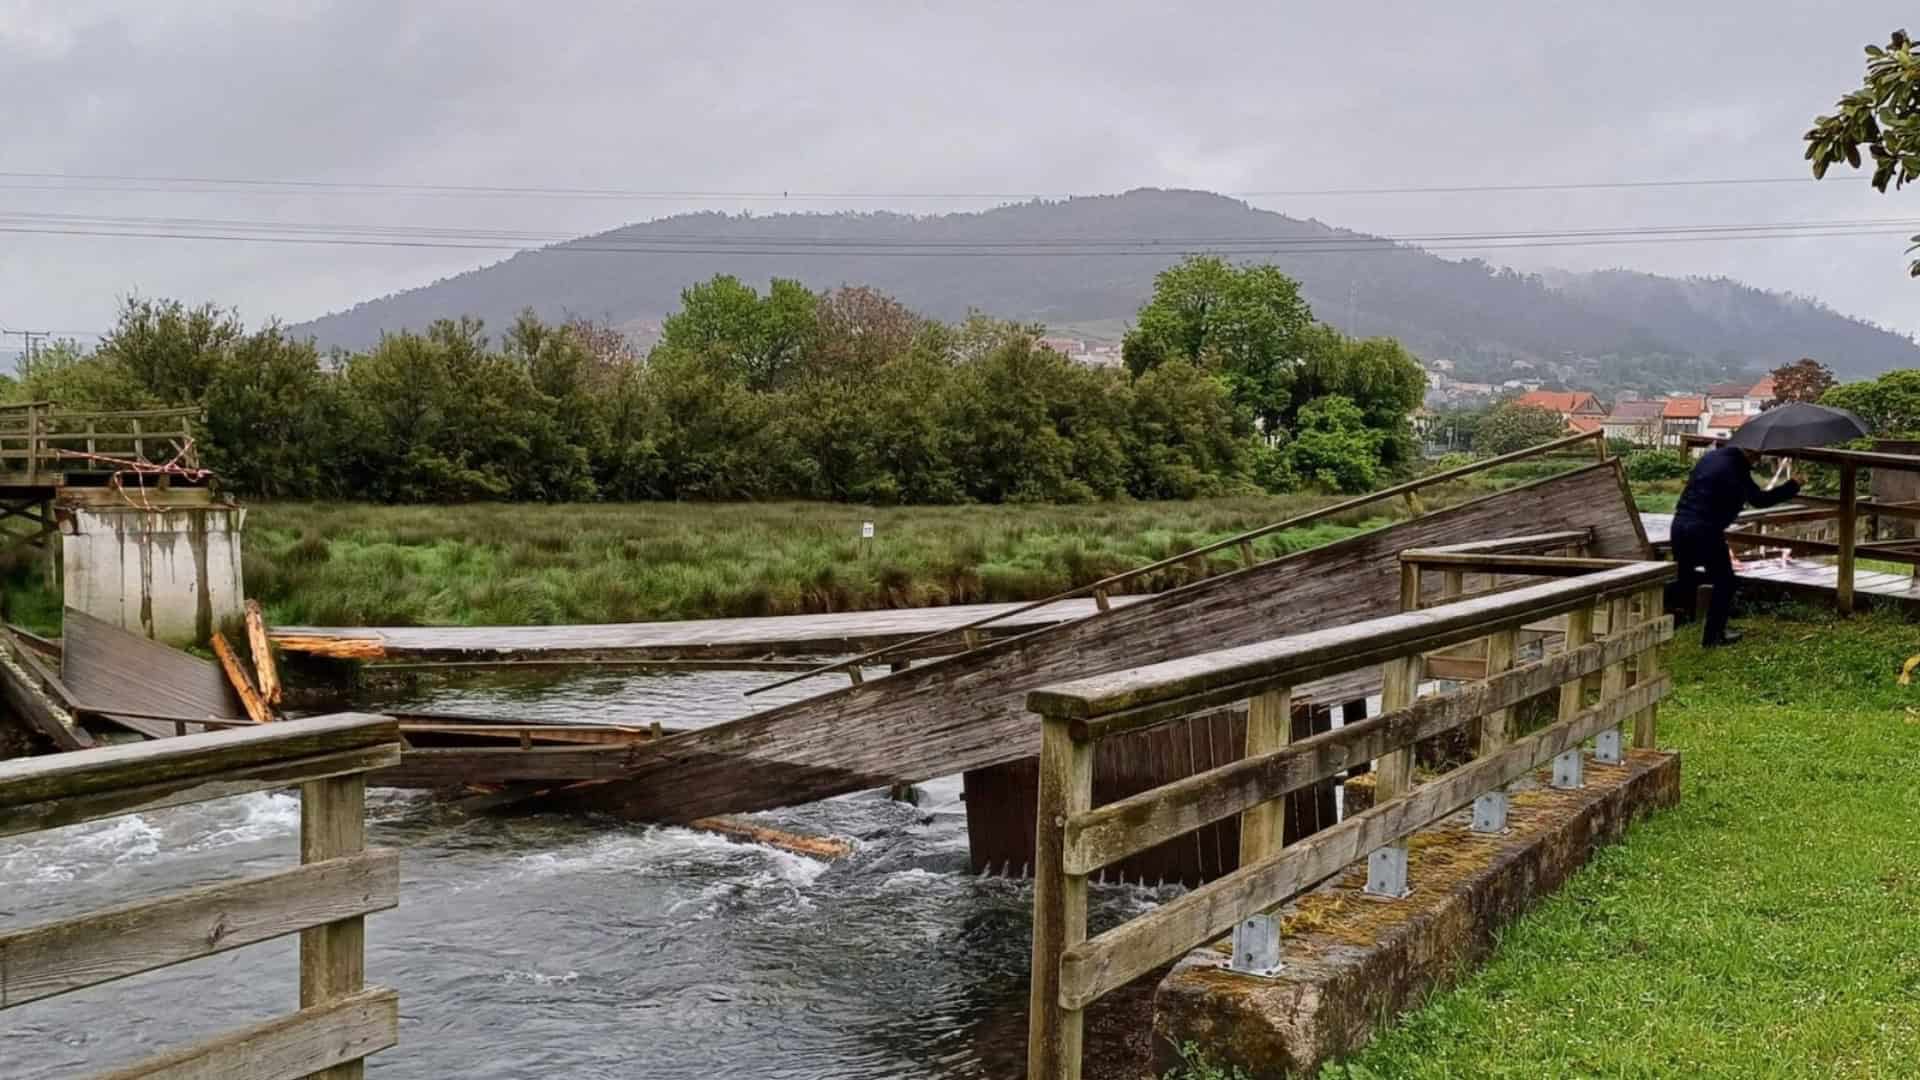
point(1799, 575)
point(836, 634)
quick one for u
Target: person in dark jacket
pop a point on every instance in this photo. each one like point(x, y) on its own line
point(1720, 485)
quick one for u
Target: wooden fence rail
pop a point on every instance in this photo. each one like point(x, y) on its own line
point(38, 438)
point(324, 899)
point(1604, 683)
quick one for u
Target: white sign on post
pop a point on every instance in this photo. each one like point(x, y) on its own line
point(866, 530)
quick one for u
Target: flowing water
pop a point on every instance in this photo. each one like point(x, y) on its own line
point(552, 946)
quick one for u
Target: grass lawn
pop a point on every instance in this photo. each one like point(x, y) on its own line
point(1767, 927)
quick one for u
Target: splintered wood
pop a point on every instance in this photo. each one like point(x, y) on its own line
point(250, 699)
point(262, 650)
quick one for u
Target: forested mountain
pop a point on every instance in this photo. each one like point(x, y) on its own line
point(1093, 259)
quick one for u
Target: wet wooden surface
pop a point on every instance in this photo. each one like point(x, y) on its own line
point(1800, 574)
point(775, 635)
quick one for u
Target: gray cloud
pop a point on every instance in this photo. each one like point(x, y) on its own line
point(984, 97)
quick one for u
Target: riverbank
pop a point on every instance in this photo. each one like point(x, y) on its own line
point(1763, 928)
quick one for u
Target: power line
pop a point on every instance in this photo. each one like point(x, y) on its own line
point(20, 180)
point(1491, 242)
point(652, 237)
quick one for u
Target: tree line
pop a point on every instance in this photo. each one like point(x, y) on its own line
point(1229, 386)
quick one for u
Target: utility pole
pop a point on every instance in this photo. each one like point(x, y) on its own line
point(27, 338)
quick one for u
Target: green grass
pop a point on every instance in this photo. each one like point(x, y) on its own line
point(481, 564)
point(1766, 927)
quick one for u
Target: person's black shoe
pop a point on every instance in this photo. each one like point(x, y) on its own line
point(1730, 637)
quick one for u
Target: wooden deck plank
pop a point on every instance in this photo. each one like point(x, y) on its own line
point(776, 635)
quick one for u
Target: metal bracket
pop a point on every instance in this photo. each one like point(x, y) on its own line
point(1490, 812)
point(1606, 747)
point(1256, 947)
point(1567, 771)
point(1387, 872)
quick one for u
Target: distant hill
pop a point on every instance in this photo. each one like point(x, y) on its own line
point(1441, 309)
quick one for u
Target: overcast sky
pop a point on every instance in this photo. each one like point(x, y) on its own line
point(900, 98)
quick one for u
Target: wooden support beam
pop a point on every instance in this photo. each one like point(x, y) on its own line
point(1646, 668)
point(242, 683)
point(262, 650)
point(102, 946)
point(333, 823)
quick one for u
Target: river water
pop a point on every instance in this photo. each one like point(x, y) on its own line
point(553, 946)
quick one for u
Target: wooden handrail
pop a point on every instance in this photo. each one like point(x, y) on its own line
point(1074, 839)
point(325, 899)
point(1099, 589)
point(1103, 705)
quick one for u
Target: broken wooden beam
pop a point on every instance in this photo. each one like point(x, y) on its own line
point(250, 699)
point(262, 650)
point(813, 847)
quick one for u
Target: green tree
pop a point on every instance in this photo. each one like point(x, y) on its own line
point(1889, 404)
point(755, 339)
point(1508, 427)
point(271, 417)
point(1249, 323)
point(1188, 438)
point(170, 351)
point(1377, 375)
point(1882, 117)
point(1334, 448)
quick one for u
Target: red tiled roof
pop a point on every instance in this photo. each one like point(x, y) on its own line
point(1728, 420)
point(1583, 423)
point(1763, 389)
point(1684, 408)
point(1559, 401)
point(1729, 389)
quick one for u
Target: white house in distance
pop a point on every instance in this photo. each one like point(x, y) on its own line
point(1682, 416)
point(1724, 424)
point(1739, 398)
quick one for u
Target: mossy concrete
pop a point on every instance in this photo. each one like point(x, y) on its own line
point(1353, 962)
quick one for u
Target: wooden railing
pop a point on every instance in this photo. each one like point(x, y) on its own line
point(325, 899)
point(39, 439)
point(1075, 839)
point(970, 634)
point(1831, 527)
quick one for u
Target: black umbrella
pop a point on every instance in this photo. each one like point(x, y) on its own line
point(1796, 425)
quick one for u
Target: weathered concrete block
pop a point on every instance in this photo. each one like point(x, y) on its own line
point(1352, 961)
point(171, 573)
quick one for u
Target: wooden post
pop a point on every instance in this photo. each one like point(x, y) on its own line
point(1246, 553)
point(91, 448)
point(1269, 727)
point(1579, 633)
point(1613, 678)
point(1646, 667)
point(1409, 586)
point(1393, 775)
point(1452, 584)
point(1101, 601)
point(1496, 726)
point(1844, 564)
point(333, 822)
point(1059, 903)
point(139, 444)
point(33, 443)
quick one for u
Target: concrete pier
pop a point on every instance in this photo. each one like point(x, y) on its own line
point(167, 568)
